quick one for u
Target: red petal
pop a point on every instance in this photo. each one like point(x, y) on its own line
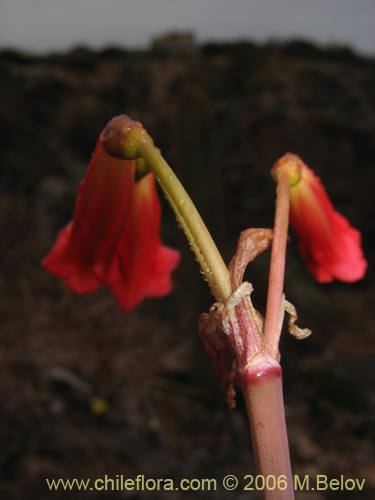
point(85, 248)
point(78, 277)
point(144, 266)
point(329, 244)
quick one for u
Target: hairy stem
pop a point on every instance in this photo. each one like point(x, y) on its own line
point(199, 238)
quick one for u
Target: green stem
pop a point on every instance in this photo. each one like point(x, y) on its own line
point(199, 238)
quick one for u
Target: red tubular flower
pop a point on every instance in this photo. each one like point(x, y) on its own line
point(113, 239)
point(330, 246)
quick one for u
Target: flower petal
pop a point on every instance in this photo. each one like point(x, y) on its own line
point(86, 246)
point(144, 265)
point(78, 276)
point(113, 238)
point(330, 246)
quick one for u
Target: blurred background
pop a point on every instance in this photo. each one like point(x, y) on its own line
point(224, 88)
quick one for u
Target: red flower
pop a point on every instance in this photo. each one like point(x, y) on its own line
point(114, 237)
point(330, 246)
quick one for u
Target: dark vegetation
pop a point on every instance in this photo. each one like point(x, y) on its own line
point(86, 390)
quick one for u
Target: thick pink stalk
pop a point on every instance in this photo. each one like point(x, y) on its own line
point(262, 383)
point(263, 395)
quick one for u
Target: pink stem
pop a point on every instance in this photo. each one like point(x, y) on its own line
point(265, 407)
point(275, 308)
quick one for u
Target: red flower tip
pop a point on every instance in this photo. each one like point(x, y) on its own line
point(330, 246)
point(113, 239)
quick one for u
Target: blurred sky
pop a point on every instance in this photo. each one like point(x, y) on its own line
point(43, 25)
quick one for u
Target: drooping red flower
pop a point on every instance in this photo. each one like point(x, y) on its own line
point(113, 239)
point(330, 246)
